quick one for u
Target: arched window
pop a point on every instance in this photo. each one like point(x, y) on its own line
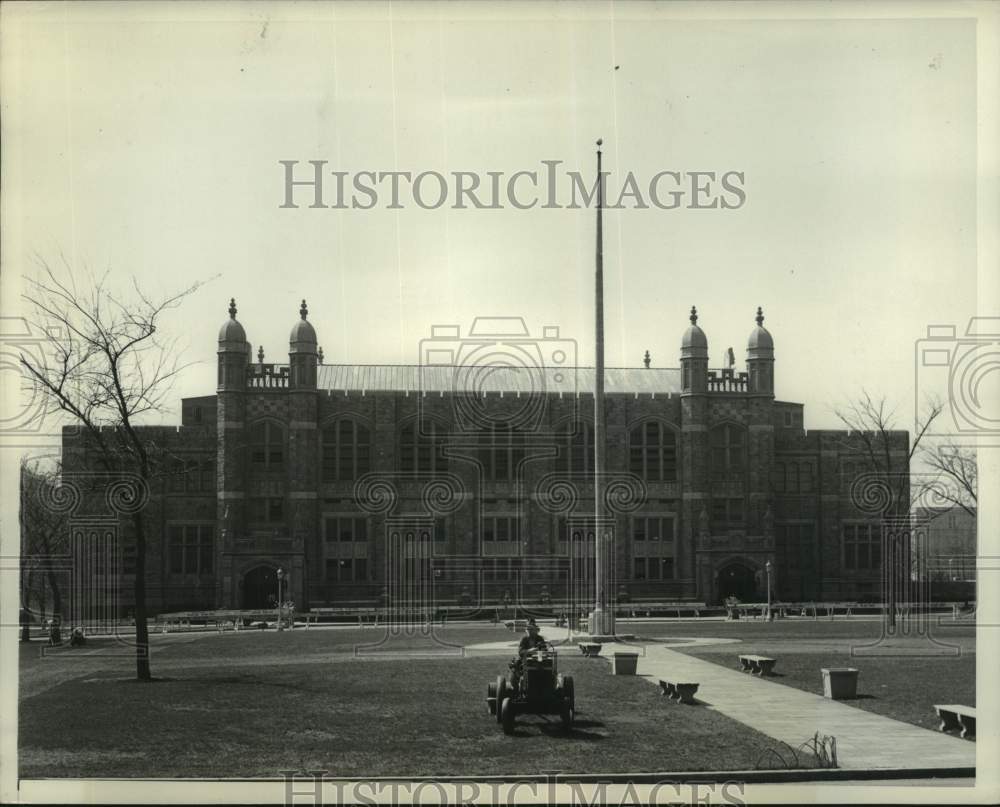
point(729, 446)
point(653, 452)
point(267, 445)
point(577, 448)
point(421, 448)
point(346, 451)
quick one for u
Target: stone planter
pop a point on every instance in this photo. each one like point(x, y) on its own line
point(625, 663)
point(840, 683)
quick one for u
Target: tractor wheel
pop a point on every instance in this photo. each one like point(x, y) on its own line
point(491, 697)
point(501, 694)
point(569, 692)
point(507, 715)
point(567, 715)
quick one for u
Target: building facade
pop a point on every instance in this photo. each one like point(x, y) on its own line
point(469, 478)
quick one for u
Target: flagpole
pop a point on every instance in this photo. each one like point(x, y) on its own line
point(603, 619)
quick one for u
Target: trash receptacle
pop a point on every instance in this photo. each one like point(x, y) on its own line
point(626, 663)
point(840, 683)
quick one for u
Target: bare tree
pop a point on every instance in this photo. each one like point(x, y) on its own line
point(957, 473)
point(872, 425)
point(44, 537)
point(106, 367)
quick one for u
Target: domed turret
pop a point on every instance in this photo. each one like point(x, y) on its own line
point(694, 357)
point(302, 352)
point(760, 338)
point(694, 344)
point(303, 336)
point(233, 352)
point(760, 358)
point(232, 332)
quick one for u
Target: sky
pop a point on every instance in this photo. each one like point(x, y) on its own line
point(147, 140)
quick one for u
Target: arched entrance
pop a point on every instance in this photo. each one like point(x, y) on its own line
point(736, 580)
point(260, 588)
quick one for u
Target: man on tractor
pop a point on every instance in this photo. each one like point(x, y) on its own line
point(531, 641)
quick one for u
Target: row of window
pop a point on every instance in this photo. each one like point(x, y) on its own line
point(792, 477)
point(347, 450)
point(192, 546)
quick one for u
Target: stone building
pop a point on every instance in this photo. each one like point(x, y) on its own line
point(469, 478)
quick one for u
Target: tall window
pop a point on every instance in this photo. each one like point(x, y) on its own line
point(653, 452)
point(192, 548)
point(500, 528)
point(577, 448)
point(862, 547)
point(501, 450)
point(346, 451)
point(421, 448)
point(267, 510)
point(267, 445)
point(728, 443)
point(345, 529)
point(653, 528)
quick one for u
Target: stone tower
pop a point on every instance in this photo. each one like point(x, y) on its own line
point(303, 454)
point(234, 356)
point(694, 438)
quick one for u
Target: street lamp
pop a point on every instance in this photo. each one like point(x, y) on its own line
point(768, 567)
point(281, 576)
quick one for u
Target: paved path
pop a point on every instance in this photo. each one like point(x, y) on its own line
point(864, 739)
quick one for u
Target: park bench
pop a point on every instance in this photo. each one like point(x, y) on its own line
point(516, 624)
point(757, 665)
point(676, 691)
point(590, 648)
point(955, 716)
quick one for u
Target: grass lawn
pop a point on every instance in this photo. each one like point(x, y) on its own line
point(904, 687)
point(253, 705)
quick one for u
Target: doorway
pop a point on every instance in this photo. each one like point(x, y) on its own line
point(736, 580)
point(260, 588)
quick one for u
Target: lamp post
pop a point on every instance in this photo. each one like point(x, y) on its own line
point(768, 567)
point(281, 576)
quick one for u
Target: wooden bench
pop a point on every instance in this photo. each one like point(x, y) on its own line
point(956, 716)
point(591, 648)
point(757, 665)
point(676, 691)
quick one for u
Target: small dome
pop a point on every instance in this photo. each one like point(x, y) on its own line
point(694, 343)
point(760, 337)
point(303, 336)
point(231, 330)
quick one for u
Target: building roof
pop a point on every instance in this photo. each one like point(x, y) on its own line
point(566, 380)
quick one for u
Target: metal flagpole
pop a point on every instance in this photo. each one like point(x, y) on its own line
point(603, 619)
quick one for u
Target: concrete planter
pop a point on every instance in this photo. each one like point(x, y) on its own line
point(625, 663)
point(840, 683)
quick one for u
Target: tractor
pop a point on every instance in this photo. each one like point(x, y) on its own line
point(539, 690)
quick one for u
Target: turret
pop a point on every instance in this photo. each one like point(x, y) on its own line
point(694, 357)
point(233, 352)
point(760, 358)
point(302, 353)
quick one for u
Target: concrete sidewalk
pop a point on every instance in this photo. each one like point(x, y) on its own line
point(864, 740)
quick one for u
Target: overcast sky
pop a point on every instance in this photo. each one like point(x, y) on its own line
point(148, 140)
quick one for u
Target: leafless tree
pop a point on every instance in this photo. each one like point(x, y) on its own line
point(957, 472)
point(105, 368)
point(872, 422)
point(44, 535)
